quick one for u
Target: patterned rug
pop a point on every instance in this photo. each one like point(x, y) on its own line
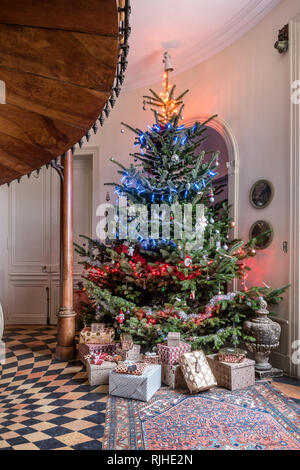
point(257, 418)
point(46, 404)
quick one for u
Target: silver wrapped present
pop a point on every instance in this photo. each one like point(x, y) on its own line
point(98, 375)
point(140, 387)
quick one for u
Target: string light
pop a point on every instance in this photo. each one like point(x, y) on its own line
point(166, 102)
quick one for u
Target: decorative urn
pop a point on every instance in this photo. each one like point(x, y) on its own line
point(266, 333)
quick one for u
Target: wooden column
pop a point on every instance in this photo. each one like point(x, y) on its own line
point(65, 349)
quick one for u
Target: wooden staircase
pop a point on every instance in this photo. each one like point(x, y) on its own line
point(62, 63)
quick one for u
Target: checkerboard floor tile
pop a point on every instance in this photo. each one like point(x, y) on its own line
point(46, 404)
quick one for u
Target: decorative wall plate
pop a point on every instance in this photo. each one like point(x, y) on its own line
point(261, 194)
point(265, 233)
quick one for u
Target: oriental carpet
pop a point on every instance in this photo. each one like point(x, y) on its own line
point(256, 418)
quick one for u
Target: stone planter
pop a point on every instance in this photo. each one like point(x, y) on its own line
point(267, 334)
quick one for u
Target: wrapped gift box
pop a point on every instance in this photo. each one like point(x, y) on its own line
point(98, 375)
point(196, 371)
point(86, 349)
point(173, 376)
point(102, 336)
point(232, 376)
point(132, 368)
point(151, 358)
point(126, 341)
point(133, 354)
point(171, 354)
point(136, 387)
point(97, 327)
point(173, 339)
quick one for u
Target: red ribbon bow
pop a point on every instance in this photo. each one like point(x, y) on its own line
point(98, 359)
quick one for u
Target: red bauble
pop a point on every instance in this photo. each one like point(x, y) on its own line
point(187, 261)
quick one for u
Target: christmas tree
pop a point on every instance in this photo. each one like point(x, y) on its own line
point(168, 260)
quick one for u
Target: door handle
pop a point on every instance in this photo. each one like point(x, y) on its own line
point(44, 269)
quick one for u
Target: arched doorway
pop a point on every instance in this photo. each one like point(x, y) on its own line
point(220, 137)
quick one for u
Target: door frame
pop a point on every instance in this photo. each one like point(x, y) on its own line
point(41, 277)
point(294, 212)
point(94, 152)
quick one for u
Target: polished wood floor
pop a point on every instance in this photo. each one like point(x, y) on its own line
point(289, 386)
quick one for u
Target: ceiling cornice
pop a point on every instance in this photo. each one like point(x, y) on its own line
point(236, 27)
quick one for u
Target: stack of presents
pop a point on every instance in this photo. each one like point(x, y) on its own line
point(131, 374)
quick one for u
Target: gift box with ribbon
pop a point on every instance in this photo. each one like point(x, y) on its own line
point(171, 354)
point(88, 349)
point(97, 358)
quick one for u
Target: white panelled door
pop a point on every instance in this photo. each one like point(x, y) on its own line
point(33, 241)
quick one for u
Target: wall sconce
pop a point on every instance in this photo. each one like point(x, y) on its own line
point(282, 44)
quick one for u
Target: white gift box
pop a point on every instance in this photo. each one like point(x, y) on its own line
point(141, 387)
point(99, 374)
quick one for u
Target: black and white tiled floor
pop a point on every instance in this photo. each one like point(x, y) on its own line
point(44, 403)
